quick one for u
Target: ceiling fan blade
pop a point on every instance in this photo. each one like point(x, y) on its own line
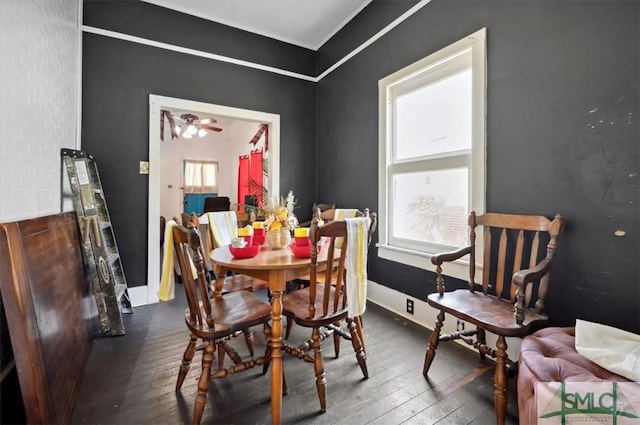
point(208, 121)
point(210, 127)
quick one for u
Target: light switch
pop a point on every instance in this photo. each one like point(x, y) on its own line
point(144, 167)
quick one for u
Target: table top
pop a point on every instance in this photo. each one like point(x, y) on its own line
point(267, 258)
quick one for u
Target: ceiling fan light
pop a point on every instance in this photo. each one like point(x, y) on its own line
point(202, 132)
point(191, 130)
point(178, 129)
point(186, 135)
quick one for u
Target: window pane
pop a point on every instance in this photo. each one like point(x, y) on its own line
point(431, 207)
point(210, 175)
point(200, 176)
point(435, 118)
point(191, 174)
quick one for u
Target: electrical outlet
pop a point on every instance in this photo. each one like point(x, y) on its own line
point(409, 306)
point(460, 325)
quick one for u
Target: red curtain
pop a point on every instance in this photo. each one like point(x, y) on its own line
point(256, 176)
point(243, 177)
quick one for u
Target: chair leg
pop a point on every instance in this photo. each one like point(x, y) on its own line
point(359, 327)
point(336, 341)
point(248, 337)
point(500, 382)
point(434, 340)
point(285, 391)
point(186, 361)
point(203, 383)
point(267, 352)
point(287, 331)
point(221, 354)
point(481, 337)
point(231, 352)
point(318, 365)
point(358, 347)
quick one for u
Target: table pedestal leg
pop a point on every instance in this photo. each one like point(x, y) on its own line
point(277, 285)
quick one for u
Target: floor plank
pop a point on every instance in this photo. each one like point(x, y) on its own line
point(130, 379)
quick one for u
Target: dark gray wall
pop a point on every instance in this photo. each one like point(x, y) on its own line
point(562, 123)
point(119, 76)
point(562, 136)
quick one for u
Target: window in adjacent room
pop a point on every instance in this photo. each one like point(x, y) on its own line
point(432, 152)
point(200, 176)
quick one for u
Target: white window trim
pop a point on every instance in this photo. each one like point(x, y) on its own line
point(477, 43)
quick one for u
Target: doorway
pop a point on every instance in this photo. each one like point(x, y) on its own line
point(148, 294)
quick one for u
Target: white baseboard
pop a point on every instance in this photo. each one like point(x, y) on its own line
point(138, 295)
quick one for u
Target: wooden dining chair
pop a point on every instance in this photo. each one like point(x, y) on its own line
point(232, 283)
point(323, 305)
point(322, 211)
point(221, 227)
point(303, 281)
point(213, 320)
point(516, 261)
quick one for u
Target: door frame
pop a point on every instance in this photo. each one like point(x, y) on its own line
point(149, 294)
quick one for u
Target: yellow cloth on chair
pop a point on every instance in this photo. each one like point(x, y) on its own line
point(168, 281)
point(356, 265)
point(223, 226)
point(341, 214)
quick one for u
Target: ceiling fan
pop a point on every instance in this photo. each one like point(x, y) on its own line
point(187, 124)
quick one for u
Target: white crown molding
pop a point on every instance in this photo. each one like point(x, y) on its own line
point(194, 52)
point(266, 68)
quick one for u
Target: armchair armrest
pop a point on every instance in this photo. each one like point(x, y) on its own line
point(438, 259)
point(522, 277)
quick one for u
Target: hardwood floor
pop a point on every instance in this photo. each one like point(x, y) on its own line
point(130, 379)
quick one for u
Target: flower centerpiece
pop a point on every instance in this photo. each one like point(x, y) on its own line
point(280, 221)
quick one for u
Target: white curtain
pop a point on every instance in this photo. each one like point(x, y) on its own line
point(200, 176)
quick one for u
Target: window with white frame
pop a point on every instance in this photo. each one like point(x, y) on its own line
point(432, 152)
point(200, 176)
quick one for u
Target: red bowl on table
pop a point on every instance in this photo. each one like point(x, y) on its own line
point(247, 251)
point(302, 240)
point(301, 251)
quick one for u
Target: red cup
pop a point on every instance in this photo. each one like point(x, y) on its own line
point(259, 232)
point(249, 239)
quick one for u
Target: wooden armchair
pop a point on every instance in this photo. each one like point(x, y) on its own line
point(323, 305)
point(213, 320)
point(518, 254)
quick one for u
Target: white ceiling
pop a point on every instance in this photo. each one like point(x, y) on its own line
point(305, 23)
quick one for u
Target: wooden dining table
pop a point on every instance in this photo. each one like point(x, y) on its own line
point(276, 266)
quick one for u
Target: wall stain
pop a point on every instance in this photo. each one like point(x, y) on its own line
point(605, 150)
